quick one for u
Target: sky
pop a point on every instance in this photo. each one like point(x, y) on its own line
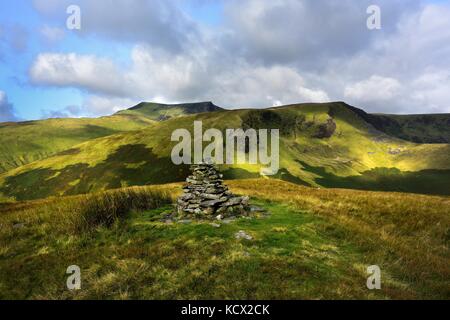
point(235, 53)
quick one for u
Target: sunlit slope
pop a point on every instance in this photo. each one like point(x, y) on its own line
point(25, 142)
point(321, 145)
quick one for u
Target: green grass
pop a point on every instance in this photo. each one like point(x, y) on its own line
point(348, 158)
point(140, 258)
point(25, 142)
point(312, 245)
point(427, 128)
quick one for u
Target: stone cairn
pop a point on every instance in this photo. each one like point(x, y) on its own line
point(206, 197)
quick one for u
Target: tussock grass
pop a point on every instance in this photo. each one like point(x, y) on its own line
point(103, 209)
point(316, 244)
point(84, 213)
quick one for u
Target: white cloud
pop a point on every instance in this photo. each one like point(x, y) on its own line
point(249, 86)
point(414, 60)
point(376, 88)
point(73, 70)
point(266, 53)
point(306, 33)
point(95, 105)
point(174, 78)
point(431, 92)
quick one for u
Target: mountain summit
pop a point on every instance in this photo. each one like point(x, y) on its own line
point(161, 112)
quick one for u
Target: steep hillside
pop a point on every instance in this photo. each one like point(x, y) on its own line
point(25, 142)
point(321, 145)
point(419, 128)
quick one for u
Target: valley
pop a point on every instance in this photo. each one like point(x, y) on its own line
point(349, 193)
point(321, 145)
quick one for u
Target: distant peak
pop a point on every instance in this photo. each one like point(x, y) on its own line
point(191, 106)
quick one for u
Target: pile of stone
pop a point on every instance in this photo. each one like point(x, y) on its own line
point(205, 196)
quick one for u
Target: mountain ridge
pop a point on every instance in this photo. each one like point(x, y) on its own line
point(24, 142)
point(351, 154)
point(419, 128)
point(162, 112)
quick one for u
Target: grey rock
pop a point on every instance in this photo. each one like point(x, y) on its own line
point(242, 235)
point(211, 196)
point(233, 201)
point(186, 197)
point(210, 203)
point(205, 194)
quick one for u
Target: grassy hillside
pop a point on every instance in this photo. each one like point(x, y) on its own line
point(25, 142)
point(161, 112)
point(419, 128)
point(321, 145)
point(312, 244)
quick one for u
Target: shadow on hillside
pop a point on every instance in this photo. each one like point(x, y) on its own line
point(132, 164)
point(135, 164)
point(386, 179)
point(283, 174)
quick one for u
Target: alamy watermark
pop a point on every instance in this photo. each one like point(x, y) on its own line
point(73, 21)
point(239, 147)
point(374, 20)
point(374, 280)
point(74, 280)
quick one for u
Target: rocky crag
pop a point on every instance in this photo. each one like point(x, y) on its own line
point(205, 196)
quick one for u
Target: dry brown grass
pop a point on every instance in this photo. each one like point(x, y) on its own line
point(81, 213)
point(406, 233)
point(328, 237)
